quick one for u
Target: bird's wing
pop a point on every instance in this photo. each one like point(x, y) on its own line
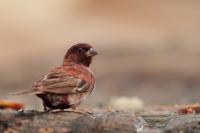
point(62, 83)
point(59, 82)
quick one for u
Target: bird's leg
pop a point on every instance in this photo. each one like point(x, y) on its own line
point(46, 109)
point(79, 110)
point(73, 107)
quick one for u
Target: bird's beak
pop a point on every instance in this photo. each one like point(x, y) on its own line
point(91, 52)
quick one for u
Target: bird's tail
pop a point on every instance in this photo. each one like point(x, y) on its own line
point(25, 92)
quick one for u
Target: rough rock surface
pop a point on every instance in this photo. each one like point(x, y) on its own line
point(97, 122)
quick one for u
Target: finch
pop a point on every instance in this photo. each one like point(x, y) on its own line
point(67, 85)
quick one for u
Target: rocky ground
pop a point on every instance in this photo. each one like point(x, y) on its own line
point(175, 119)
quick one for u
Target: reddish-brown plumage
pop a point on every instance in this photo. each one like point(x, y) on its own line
point(69, 84)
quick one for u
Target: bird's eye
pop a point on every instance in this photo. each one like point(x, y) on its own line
point(80, 50)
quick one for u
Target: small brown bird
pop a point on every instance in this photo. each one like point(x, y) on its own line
point(66, 86)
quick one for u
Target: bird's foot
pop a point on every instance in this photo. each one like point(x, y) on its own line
point(81, 110)
point(47, 110)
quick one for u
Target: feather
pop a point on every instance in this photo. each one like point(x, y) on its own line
point(33, 91)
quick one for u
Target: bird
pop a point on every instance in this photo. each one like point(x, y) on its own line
point(68, 84)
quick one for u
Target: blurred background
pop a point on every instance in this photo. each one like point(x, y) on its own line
point(148, 50)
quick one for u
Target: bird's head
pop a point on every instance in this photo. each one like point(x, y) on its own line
point(81, 53)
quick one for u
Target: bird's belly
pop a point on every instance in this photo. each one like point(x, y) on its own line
point(61, 101)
